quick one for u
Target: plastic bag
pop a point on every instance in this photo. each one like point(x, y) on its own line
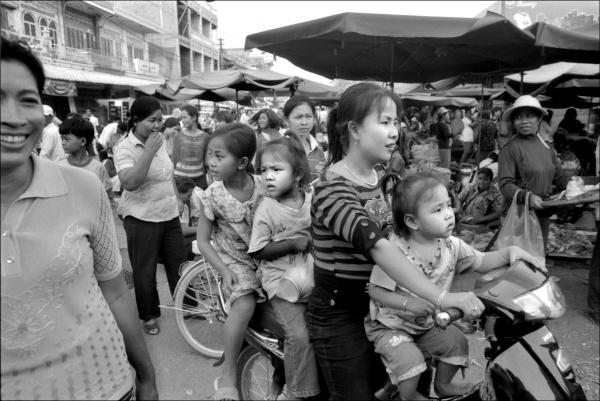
point(521, 228)
point(297, 282)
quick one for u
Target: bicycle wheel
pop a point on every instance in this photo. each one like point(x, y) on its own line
point(199, 309)
point(255, 375)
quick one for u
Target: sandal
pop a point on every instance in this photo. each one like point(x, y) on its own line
point(151, 327)
point(225, 393)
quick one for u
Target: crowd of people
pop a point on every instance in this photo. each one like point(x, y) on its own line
point(353, 256)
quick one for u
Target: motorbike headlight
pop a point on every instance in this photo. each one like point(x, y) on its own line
point(562, 361)
point(545, 302)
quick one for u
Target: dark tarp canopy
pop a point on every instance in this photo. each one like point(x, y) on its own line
point(425, 100)
point(401, 48)
point(562, 45)
point(161, 91)
point(566, 79)
point(247, 80)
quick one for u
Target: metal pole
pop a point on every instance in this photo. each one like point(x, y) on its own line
point(237, 106)
point(392, 67)
point(521, 86)
point(479, 127)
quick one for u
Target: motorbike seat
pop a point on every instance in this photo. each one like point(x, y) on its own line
point(264, 319)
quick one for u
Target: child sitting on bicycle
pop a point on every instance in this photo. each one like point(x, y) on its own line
point(401, 324)
point(225, 215)
point(281, 241)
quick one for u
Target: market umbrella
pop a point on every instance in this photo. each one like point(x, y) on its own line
point(559, 44)
point(468, 91)
point(560, 101)
point(558, 78)
point(161, 91)
point(248, 80)
point(401, 48)
point(425, 100)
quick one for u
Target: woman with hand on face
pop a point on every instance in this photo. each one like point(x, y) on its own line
point(68, 321)
point(526, 161)
point(150, 207)
point(299, 113)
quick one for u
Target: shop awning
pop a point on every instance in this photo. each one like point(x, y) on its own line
point(70, 74)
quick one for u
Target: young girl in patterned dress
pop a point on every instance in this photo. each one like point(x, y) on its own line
point(225, 216)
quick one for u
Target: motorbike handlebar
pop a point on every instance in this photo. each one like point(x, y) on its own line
point(445, 318)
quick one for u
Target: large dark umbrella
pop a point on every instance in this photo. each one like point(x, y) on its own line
point(401, 48)
point(161, 91)
point(559, 44)
point(436, 101)
point(556, 79)
point(237, 80)
point(248, 80)
point(468, 91)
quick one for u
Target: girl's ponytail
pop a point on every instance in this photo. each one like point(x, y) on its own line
point(335, 146)
point(387, 191)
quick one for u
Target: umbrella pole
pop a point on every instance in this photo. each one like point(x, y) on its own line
point(392, 67)
point(521, 86)
point(237, 106)
point(478, 154)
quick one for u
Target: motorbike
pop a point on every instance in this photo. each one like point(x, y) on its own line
point(524, 359)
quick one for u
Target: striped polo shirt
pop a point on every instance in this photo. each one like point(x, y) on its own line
point(347, 220)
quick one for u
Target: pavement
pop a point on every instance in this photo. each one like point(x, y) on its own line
point(183, 374)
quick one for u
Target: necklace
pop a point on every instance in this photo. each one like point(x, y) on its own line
point(426, 266)
point(360, 178)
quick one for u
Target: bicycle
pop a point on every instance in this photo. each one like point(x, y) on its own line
point(199, 307)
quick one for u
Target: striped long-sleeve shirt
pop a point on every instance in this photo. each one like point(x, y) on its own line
point(347, 221)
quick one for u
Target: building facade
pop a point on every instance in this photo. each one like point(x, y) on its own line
point(96, 52)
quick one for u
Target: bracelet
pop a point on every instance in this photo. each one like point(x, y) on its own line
point(404, 303)
point(441, 297)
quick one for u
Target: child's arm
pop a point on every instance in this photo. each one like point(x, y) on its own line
point(274, 250)
point(203, 235)
point(506, 256)
point(391, 299)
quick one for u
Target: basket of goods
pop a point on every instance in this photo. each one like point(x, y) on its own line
point(564, 241)
point(576, 193)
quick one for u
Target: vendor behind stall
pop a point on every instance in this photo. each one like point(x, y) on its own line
point(526, 161)
point(481, 202)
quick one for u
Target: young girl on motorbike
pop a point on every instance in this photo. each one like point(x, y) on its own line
point(225, 216)
point(401, 324)
point(281, 241)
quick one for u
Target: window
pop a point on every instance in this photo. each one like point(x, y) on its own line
point(4, 23)
point(135, 52)
point(29, 24)
point(107, 46)
point(52, 29)
point(80, 40)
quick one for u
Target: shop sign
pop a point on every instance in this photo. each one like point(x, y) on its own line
point(60, 88)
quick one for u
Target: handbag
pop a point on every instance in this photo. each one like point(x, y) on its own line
point(521, 227)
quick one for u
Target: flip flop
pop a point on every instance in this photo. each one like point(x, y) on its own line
point(151, 327)
point(225, 393)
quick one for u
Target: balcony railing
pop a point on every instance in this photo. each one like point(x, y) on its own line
point(44, 48)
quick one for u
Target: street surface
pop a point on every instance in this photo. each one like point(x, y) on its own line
point(183, 374)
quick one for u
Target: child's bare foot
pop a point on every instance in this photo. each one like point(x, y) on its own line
point(453, 388)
